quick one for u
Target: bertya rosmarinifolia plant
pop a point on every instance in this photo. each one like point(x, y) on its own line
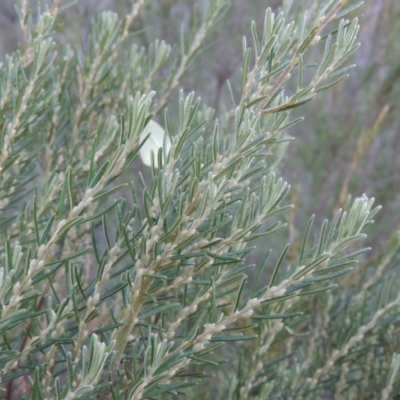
point(118, 285)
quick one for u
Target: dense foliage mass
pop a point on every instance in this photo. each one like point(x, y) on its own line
point(133, 215)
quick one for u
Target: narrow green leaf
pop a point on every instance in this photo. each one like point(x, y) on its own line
point(91, 164)
point(12, 376)
point(232, 98)
point(240, 328)
point(349, 9)
point(302, 100)
point(61, 201)
point(348, 242)
point(170, 388)
point(46, 230)
point(319, 290)
point(255, 38)
point(341, 71)
point(260, 271)
point(295, 288)
point(107, 193)
point(256, 101)
point(332, 275)
point(321, 259)
point(115, 289)
point(192, 334)
point(99, 175)
point(35, 220)
point(277, 265)
point(277, 316)
point(68, 225)
point(273, 72)
point(306, 41)
point(242, 283)
point(245, 68)
point(232, 338)
point(266, 50)
point(305, 240)
point(333, 83)
point(320, 247)
point(68, 177)
point(157, 310)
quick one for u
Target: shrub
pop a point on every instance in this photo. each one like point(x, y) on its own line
point(119, 280)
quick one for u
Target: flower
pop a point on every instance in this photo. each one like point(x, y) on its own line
point(155, 141)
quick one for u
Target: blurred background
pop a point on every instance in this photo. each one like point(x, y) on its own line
point(349, 142)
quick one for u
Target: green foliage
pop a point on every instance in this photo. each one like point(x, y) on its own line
point(123, 281)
